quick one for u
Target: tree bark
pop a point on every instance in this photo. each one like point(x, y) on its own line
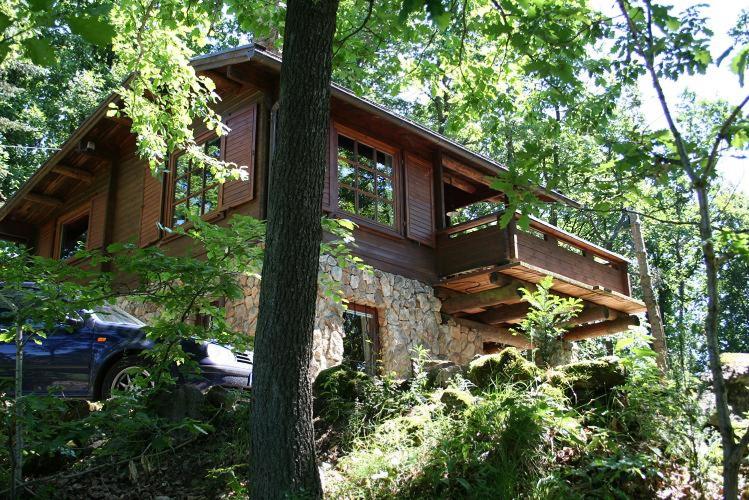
point(732, 452)
point(17, 475)
point(648, 294)
point(282, 452)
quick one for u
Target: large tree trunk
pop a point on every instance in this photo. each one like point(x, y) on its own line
point(648, 294)
point(282, 454)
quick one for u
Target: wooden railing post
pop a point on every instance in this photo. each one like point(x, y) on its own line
point(507, 240)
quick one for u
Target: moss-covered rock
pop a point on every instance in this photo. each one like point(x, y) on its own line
point(455, 400)
point(338, 386)
point(506, 366)
point(440, 373)
point(736, 376)
point(591, 378)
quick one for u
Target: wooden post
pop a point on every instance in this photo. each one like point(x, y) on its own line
point(648, 294)
point(491, 333)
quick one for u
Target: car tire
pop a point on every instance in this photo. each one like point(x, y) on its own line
point(121, 374)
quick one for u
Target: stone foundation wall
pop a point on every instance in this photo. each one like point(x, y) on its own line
point(407, 311)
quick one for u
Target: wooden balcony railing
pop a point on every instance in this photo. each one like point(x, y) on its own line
point(482, 243)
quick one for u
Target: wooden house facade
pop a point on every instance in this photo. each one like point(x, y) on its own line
point(400, 182)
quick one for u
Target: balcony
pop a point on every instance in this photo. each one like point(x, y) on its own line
point(482, 267)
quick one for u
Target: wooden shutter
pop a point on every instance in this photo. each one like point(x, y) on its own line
point(239, 147)
point(97, 221)
point(419, 201)
point(150, 212)
point(45, 241)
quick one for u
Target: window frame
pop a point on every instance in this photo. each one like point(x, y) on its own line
point(374, 332)
point(171, 178)
point(397, 178)
point(68, 218)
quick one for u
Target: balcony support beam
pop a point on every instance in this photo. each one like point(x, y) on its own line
point(508, 294)
point(490, 333)
point(602, 328)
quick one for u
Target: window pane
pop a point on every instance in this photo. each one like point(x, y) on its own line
point(385, 163)
point(180, 214)
point(183, 166)
point(346, 174)
point(384, 188)
point(359, 347)
point(385, 214)
point(180, 189)
point(73, 237)
point(196, 204)
point(366, 180)
point(366, 206)
point(213, 148)
point(346, 147)
point(196, 182)
point(346, 200)
point(366, 155)
point(211, 199)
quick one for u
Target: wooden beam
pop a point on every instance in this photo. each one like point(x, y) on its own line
point(465, 171)
point(592, 313)
point(505, 314)
point(602, 328)
point(75, 173)
point(43, 199)
point(508, 294)
point(490, 333)
point(459, 183)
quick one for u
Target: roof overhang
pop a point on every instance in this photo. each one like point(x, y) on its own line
point(256, 53)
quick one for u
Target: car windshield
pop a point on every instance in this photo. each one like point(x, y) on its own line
point(113, 314)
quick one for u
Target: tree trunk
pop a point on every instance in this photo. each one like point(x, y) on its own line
point(282, 453)
point(731, 452)
point(654, 315)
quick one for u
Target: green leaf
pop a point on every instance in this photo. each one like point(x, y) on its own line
point(738, 64)
point(95, 30)
point(39, 50)
point(41, 5)
point(4, 21)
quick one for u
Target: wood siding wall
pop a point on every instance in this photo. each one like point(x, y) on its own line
point(419, 200)
point(239, 148)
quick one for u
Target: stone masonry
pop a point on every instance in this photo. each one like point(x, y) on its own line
point(408, 313)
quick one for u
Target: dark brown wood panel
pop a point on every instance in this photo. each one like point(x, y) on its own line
point(150, 214)
point(239, 148)
point(419, 200)
point(97, 221)
point(46, 239)
point(129, 198)
point(548, 255)
point(470, 250)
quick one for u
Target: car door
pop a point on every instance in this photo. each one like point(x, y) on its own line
point(7, 354)
point(61, 362)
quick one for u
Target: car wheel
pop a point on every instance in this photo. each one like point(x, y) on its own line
point(121, 376)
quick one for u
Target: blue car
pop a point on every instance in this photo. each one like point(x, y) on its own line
point(101, 353)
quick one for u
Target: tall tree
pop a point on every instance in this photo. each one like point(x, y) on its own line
point(283, 447)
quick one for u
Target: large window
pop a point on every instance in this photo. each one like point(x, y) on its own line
point(361, 343)
point(195, 187)
point(73, 236)
point(365, 181)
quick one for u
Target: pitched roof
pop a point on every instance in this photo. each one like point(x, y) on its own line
point(257, 53)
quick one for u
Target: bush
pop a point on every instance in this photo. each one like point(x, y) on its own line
point(456, 400)
point(506, 366)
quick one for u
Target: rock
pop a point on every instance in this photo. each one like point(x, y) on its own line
point(506, 366)
point(178, 402)
point(736, 374)
point(592, 378)
point(439, 374)
point(455, 400)
point(220, 397)
point(339, 385)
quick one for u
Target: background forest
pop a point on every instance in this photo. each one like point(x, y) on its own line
point(552, 89)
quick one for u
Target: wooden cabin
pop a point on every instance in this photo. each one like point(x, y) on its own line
point(399, 181)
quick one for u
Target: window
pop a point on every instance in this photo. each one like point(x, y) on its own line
point(73, 236)
point(195, 187)
point(361, 343)
point(365, 181)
